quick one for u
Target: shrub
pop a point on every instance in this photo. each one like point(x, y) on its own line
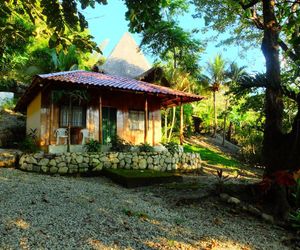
point(145, 147)
point(120, 145)
point(93, 146)
point(250, 141)
point(8, 104)
point(295, 219)
point(172, 147)
point(30, 143)
point(221, 179)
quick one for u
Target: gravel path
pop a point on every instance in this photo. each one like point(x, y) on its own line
point(44, 212)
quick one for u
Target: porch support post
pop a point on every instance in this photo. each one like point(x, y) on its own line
point(50, 120)
point(146, 121)
point(153, 128)
point(100, 120)
point(181, 123)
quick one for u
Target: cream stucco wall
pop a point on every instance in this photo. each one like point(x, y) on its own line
point(34, 115)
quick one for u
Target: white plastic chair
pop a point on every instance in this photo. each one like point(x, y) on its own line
point(61, 133)
point(85, 135)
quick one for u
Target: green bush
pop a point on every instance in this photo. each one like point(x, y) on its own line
point(9, 104)
point(120, 145)
point(145, 147)
point(93, 146)
point(250, 141)
point(295, 219)
point(172, 147)
point(29, 145)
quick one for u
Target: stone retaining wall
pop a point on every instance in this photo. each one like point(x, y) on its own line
point(9, 157)
point(72, 163)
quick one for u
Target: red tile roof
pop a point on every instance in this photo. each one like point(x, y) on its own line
point(111, 81)
point(169, 97)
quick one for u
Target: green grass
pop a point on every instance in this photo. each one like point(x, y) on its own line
point(139, 173)
point(213, 158)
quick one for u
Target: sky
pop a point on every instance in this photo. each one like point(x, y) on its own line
point(107, 24)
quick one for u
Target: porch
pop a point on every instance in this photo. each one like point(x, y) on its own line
point(102, 117)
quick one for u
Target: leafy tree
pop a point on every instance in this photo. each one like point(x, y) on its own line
point(146, 14)
point(170, 42)
point(157, 22)
point(15, 35)
point(36, 35)
point(184, 81)
point(277, 29)
point(233, 74)
point(60, 17)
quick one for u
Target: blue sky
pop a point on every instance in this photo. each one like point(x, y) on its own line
point(107, 23)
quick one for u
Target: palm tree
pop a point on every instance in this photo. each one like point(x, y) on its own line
point(233, 74)
point(177, 78)
point(217, 76)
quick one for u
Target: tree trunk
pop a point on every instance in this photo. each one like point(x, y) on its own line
point(293, 159)
point(172, 125)
point(215, 115)
point(224, 126)
point(69, 124)
point(166, 124)
point(274, 142)
point(273, 137)
point(181, 137)
point(229, 132)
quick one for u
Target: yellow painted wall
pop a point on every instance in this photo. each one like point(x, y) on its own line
point(34, 115)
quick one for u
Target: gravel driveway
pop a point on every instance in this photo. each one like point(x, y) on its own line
point(44, 212)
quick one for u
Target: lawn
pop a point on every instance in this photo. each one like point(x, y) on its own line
point(213, 158)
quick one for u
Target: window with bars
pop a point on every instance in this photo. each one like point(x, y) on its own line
point(136, 120)
point(78, 116)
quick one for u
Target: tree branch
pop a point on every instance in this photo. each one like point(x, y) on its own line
point(249, 5)
point(288, 51)
point(257, 81)
point(257, 20)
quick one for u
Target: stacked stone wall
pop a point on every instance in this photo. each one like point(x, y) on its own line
point(72, 163)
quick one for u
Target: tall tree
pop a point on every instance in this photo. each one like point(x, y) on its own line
point(216, 77)
point(162, 36)
point(179, 79)
point(278, 31)
point(234, 73)
point(277, 25)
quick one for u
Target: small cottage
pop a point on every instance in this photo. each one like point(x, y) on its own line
point(81, 105)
